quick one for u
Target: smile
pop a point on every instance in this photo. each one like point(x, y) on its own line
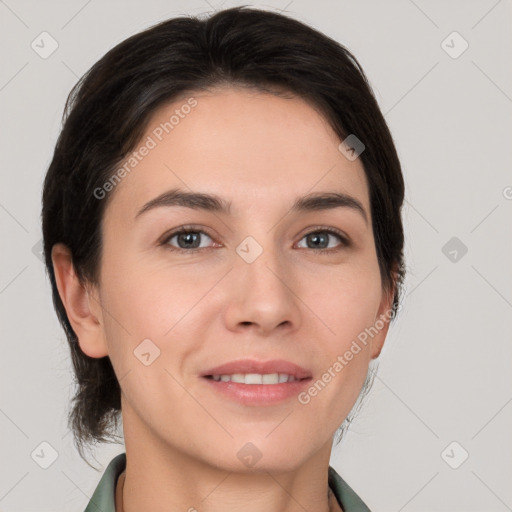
point(255, 378)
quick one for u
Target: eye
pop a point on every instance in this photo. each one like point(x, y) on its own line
point(190, 239)
point(186, 238)
point(319, 239)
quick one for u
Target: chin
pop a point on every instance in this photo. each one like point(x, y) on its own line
point(260, 454)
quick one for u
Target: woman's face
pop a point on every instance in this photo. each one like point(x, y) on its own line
point(248, 283)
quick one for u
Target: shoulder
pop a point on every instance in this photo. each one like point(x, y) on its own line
point(345, 495)
point(104, 495)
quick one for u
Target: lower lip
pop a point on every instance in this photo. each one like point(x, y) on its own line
point(258, 394)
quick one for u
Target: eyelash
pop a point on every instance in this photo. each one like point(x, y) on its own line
point(191, 229)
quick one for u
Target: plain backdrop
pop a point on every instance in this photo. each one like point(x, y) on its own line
point(434, 433)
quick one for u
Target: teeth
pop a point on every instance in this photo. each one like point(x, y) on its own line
point(256, 378)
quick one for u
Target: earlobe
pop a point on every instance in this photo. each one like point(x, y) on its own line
point(83, 310)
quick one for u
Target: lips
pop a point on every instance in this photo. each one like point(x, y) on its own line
point(262, 367)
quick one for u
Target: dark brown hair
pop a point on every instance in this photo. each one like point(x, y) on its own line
point(108, 110)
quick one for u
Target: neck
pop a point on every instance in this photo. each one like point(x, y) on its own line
point(333, 504)
point(162, 476)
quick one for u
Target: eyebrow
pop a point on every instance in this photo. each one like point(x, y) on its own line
point(213, 203)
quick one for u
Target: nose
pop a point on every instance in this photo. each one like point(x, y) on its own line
point(263, 295)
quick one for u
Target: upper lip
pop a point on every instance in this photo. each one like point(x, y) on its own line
point(262, 367)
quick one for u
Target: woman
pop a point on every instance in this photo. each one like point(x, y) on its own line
point(223, 237)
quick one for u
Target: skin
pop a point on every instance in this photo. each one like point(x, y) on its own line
point(208, 307)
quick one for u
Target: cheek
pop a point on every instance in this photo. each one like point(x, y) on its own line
point(346, 300)
point(157, 301)
point(150, 301)
point(168, 306)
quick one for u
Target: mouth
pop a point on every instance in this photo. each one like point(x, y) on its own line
point(249, 389)
point(273, 371)
point(251, 379)
point(252, 382)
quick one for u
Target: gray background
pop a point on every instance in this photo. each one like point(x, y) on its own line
point(445, 371)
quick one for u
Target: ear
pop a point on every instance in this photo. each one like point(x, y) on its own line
point(83, 309)
point(382, 321)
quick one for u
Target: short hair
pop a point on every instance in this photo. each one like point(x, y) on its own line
point(109, 108)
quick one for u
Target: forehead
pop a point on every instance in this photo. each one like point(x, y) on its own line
point(258, 150)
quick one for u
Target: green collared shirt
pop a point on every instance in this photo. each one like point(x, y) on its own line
point(103, 499)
